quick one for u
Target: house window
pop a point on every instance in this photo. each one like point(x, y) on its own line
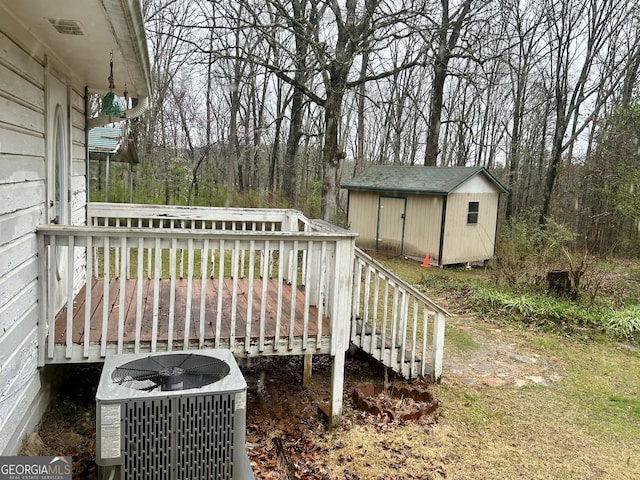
point(472, 213)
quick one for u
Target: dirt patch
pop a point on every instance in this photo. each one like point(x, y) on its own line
point(497, 357)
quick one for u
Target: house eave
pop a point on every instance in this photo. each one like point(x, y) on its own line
point(100, 27)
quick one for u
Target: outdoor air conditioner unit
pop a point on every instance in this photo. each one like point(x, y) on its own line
point(173, 416)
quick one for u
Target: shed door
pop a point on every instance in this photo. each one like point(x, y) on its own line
point(391, 217)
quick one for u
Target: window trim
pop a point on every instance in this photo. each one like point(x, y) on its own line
point(473, 213)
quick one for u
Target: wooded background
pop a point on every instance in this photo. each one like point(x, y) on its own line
point(277, 101)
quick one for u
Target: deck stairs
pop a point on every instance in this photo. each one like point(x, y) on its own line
point(394, 322)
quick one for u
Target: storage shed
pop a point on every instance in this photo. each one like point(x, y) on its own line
point(448, 213)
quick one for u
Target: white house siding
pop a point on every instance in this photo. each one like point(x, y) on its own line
point(23, 395)
point(77, 183)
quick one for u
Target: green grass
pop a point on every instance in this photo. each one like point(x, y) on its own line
point(626, 404)
point(459, 341)
point(586, 424)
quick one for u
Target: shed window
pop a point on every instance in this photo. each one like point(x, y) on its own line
point(472, 213)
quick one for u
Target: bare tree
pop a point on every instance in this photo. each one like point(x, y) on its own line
point(448, 35)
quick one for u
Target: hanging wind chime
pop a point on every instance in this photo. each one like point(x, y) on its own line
point(111, 106)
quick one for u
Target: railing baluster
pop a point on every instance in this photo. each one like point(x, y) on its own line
point(96, 264)
point(87, 297)
point(187, 315)
point(220, 294)
point(263, 301)
point(69, 286)
point(365, 307)
point(106, 277)
point(321, 291)
point(123, 292)
point(294, 287)
point(181, 255)
point(149, 253)
point(414, 337)
point(139, 310)
point(374, 320)
point(252, 259)
point(307, 283)
point(385, 317)
point(234, 294)
point(244, 227)
point(156, 294)
point(116, 253)
point(403, 327)
point(355, 302)
point(204, 254)
point(425, 340)
point(276, 339)
point(172, 292)
point(394, 327)
point(128, 253)
point(51, 310)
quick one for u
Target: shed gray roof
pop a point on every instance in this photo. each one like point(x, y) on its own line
point(416, 179)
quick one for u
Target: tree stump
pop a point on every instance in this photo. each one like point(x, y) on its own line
point(559, 283)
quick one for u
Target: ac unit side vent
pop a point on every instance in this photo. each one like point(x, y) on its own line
point(205, 442)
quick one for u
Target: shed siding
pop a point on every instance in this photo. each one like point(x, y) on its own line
point(363, 217)
point(469, 243)
point(422, 228)
point(477, 184)
point(422, 223)
point(22, 207)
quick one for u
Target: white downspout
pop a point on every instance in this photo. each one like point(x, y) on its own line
point(139, 109)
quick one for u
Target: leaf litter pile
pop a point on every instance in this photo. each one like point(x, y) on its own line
point(287, 435)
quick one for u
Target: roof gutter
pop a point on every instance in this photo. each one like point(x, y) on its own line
point(135, 112)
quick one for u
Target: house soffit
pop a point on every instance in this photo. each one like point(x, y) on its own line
point(81, 34)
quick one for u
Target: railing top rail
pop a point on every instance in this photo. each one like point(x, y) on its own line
point(169, 233)
point(407, 286)
point(179, 212)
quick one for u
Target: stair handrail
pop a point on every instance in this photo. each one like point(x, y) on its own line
point(394, 277)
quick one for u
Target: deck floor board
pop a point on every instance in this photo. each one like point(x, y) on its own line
point(211, 292)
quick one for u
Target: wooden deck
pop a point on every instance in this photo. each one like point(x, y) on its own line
point(171, 326)
point(199, 280)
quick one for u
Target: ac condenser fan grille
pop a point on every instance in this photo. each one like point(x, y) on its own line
point(170, 372)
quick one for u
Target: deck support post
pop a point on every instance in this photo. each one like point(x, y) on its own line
point(438, 346)
point(307, 370)
point(337, 387)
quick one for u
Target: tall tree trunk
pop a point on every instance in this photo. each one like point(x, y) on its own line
point(331, 153)
point(361, 161)
point(446, 44)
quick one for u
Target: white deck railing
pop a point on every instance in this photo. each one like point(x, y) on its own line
point(394, 322)
point(186, 248)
